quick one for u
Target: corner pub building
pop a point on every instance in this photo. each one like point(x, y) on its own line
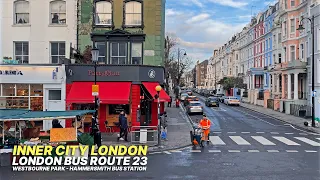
point(121, 87)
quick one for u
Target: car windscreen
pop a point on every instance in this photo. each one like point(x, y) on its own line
point(195, 104)
point(184, 94)
point(233, 98)
point(213, 99)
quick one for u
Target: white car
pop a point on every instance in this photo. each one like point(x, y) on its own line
point(230, 100)
point(183, 96)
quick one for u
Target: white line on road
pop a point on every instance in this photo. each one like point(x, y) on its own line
point(253, 151)
point(245, 132)
point(260, 132)
point(216, 132)
point(214, 151)
point(175, 151)
point(291, 151)
point(303, 133)
point(263, 140)
point(166, 152)
point(196, 151)
point(318, 138)
point(155, 153)
point(239, 140)
point(233, 151)
point(274, 132)
point(288, 133)
point(272, 150)
point(286, 141)
point(231, 132)
point(216, 140)
point(311, 151)
point(308, 141)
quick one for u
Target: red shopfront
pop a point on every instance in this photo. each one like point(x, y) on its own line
point(133, 96)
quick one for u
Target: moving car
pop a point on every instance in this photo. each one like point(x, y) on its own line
point(183, 96)
point(190, 98)
point(212, 101)
point(230, 100)
point(189, 92)
point(194, 107)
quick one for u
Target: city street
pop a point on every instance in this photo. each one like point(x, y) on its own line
point(245, 145)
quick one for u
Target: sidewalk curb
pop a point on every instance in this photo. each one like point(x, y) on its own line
point(303, 127)
point(169, 149)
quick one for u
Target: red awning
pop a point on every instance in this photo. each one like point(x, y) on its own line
point(109, 92)
point(151, 87)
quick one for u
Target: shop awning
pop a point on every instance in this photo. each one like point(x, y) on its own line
point(45, 115)
point(11, 112)
point(151, 87)
point(109, 92)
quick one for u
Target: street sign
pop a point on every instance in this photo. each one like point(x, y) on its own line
point(314, 93)
point(95, 90)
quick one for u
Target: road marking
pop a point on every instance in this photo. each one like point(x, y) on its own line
point(263, 140)
point(272, 150)
point(253, 151)
point(308, 141)
point(166, 152)
point(311, 151)
point(216, 140)
point(214, 151)
point(288, 133)
point(231, 132)
point(286, 141)
point(233, 151)
point(155, 153)
point(274, 132)
point(196, 151)
point(318, 138)
point(175, 151)
point(291, 151)
point(245, 132)
point(260, 132)
point(239, 140)
point(303, 133)
point(216, 132)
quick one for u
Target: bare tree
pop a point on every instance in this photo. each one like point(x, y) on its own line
point(170, 43)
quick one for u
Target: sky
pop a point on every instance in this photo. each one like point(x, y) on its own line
point(203, 25)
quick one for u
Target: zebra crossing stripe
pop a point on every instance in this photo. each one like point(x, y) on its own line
point(216, 140)
point(234, 151)
point(175, 151)
point(195, 150)
point(311, 151)
point(253, 151)
point(239, 140)
point(263, 140)
point(291, 150)
point(272, 150)
point(318, 138)
point(214, 151)
point(286, 141)
point(308, 141)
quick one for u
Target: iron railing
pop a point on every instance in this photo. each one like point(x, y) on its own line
point(300, 110)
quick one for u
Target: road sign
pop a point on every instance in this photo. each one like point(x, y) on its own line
point(95, 90)
point(314, 93)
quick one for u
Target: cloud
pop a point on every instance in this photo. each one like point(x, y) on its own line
point(231, 3)
point(270, 3)
point(198, 18)
point(172, 12)
point(197, 2)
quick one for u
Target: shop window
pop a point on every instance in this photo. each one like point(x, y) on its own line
point(36, 103)
point(117, 108)
point(58, 51)
point(8, 90)
point(136, 53)
point(17, 103)
point(55, 95)
point(58, 12)
point(21, 52)
point(36, 90)
point(22, 89)
point(118, 53)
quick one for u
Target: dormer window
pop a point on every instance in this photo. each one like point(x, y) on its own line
point(133, 13)
point(103, 13)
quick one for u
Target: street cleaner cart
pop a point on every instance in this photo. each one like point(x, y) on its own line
point(197, 136)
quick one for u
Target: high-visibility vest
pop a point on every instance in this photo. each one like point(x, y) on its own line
point(205, 124)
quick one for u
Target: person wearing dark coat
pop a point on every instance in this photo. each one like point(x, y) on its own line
point(123, 123)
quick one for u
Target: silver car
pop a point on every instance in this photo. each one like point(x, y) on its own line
point(183, 96)
point(194, 107)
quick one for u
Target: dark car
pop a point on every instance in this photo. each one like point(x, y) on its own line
point(212, 101)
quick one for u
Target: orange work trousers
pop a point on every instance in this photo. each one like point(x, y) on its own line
point(206, 134)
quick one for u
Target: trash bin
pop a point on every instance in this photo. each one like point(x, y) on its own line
point(302, 113)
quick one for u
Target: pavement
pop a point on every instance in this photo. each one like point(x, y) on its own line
point(244, 145)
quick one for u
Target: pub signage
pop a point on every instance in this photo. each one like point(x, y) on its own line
point(104, 73)
point(11, 72)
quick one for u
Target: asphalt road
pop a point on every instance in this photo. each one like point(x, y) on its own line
point(244, 145)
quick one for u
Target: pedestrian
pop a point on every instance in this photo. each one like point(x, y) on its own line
point(123, 122)
point(177, 102)
point(164, 124)
point(169, 103)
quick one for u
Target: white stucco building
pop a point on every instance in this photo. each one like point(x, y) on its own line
point(37, 31)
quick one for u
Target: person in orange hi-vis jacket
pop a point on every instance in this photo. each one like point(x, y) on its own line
point(205, 124)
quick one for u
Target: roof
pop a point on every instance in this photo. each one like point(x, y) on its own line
point(44, 115)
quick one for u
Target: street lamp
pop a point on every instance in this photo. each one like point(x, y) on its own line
point(185, 53)
point(94, 128)
point(300, 28)
point(158, 89)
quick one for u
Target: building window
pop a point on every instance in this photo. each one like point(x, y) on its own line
point(58, 12)
point(58, 50)
point(279, 58)
point(103, 15)
point(292, 53)
point(115, 109)
point(292, 26)
point(102, 51)
point(292, 3)
point(279, 37)
point(21, 12)
point(21, 52)
point(118, 53)
point(133, 13)
point(301, 51)
point(136, 53)
point(55, 95)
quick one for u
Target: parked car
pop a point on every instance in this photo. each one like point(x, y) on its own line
point(212, 101)
point(222, 99)
point(194, 107)
point(183, 96)
point(189, 92)
point(232, 101)
point(190, 98)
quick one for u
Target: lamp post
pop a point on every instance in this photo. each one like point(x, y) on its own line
point(300, 28)
point(158, 89)
point(95, 93)
point(185, 53)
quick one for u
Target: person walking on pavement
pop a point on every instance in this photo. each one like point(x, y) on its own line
point(177, 102)
point(123, 123)
point(205, 124)
point(169, 103)
point(164, 124)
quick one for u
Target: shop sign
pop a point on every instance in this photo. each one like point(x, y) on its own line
point(104, 73)
point(11, 72)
